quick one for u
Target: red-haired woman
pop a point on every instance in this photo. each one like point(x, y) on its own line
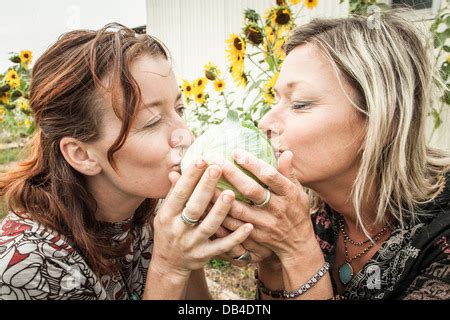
point(82, 221)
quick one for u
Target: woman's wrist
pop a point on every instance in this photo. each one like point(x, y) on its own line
point(167, 270)
point(303, 251)
point(166, 282)
point(297, 272)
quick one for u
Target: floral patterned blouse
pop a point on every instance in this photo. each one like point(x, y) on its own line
point(36, 263)
point(413, 263)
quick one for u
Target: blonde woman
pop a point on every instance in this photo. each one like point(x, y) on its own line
point(350, 111)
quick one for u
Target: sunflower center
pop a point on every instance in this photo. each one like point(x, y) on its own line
point(26, 55)
point(282, 17)
point(188, 88)
point(237, 44)
point(13, 76)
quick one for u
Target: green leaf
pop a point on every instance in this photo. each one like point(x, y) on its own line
point(436, 118)
point(270, 62)
point(232, 116)
point(443, 36)
point(446, 97)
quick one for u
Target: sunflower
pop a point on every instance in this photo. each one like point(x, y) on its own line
point(268, 92)
point(294, 2)
point(278, 50)
point(25, 58)
point(236, 53)
point(279, 18)
point(12, 78)
point(200, 83)
point(311, 4)
point(240, 78)
point(24, 105)
point(219, 85)
point(282, 17)
point(199, 95)
point(273, 44)
point(2, 111)
point(236, 45)
point(186, 88)
point(4, 98)
point(27, 123)
point(211, 71)
point(253, 33)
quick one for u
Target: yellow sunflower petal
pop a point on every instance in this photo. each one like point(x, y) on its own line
point(219, 85)
point(311, 4)
point(200, 83)
point(4, 98)
point(25, 57)
point(12, 78)
point(199, 95)
point(268, 92)
point(187, 88)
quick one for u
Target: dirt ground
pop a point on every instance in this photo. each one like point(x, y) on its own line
point(230, 282)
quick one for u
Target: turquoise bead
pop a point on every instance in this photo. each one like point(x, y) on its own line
point(345, 273)
point(134, 296)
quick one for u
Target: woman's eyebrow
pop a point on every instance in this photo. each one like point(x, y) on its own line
point(158, 103)
point(152, 104)
point(292, 85)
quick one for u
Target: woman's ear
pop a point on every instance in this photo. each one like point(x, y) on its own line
point(78, 156)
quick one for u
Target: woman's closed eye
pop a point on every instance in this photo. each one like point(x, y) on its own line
point(158, 119)
point(154, 121)
point(180, 109)
point(301, 105)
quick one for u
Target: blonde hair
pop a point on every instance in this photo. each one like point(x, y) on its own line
point(390, 68)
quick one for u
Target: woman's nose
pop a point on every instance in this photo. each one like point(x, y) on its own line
point(181, 136)
point(270, 123)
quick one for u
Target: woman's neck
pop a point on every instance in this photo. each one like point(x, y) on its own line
point(112, 204)
point(337, 193)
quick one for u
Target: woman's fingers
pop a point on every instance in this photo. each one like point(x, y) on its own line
point(219, 211)
point(257, 251)
point(267, 174)
point(203, 192)
point(285, 166)
point(222, 245)
point(243, 212)
point(180, 193)
point(245, 184)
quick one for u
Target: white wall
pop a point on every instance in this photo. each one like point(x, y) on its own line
point(36, 24)
point(195, 30)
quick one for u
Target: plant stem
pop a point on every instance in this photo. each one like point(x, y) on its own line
point(259, 67)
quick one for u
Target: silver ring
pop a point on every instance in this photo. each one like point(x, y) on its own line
point(266, 200)
point(188, 221)
point(245, 257)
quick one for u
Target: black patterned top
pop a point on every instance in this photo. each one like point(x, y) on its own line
point(413, 263)
point(36, 263)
